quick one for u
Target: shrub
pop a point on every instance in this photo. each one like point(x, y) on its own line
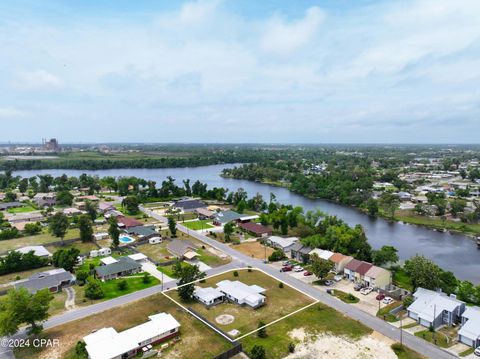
point(80, 350)
point(257, 352)
point(277, 255)
point(235, 274)
point(262, 331)
point(146, 278)
point(94, 291)
point(122, 285)
point(280, 285)
point(291, 347)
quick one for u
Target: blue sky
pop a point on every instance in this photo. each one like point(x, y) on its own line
point(240, 71)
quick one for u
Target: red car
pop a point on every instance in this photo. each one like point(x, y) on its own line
point(380, 296)
point(307, 273)
point(286, 269)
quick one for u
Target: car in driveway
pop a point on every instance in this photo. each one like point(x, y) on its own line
point(286, 263)
point(357, 287)
point(286, 269)
point(297, 269)
point(366, 291)
point(477, 352)
point(380, 296)
point(328, 282)
point(337, 278)
point(387, 300)
point(307, 273)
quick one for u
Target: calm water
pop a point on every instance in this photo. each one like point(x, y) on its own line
point(453, 252)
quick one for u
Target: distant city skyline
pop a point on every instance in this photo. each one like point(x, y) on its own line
point(220, 71)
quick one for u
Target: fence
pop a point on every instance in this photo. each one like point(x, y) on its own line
point(230, 352)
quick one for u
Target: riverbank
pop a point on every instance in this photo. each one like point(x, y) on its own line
point(403, 216)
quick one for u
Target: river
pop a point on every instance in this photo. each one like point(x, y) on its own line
point(454, 252)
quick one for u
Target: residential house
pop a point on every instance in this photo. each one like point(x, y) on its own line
point(13, 218)
point(39, 251)
point(281, 242)
point(204, 213)
point(350, 268)
point(300, 253)
point(242, 294)
point(142, 232)
point(91, 198)
point(182, 249)
point(107, 343)
point(72, 211)
point(113, 213)
point(122, 267)
point(138, 257)
point(224, 217)
point(256, 229)
point(361, 270)
point(189, 205)
point(432, 308)
point(208, 296)
point(105, 207)
point(377, 277)
point(45, 199)
point(321, 253)
point(339, 261)
point(128, 222)
point(469, 333)
point(8, 205)
point(53, 280)
point(247, 218)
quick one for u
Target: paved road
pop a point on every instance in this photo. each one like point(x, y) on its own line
point(417, 344)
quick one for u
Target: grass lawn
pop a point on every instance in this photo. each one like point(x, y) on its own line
point(315, 320)
point(157, 252)
point(467, 352)
point(135, 283)
point(197, 225)
point(83, 247)
point(57, 305)
point(345, 297)
point(385, 311)
point(402, 280)
point(253, 249)
point(279, 302)
point(21, 275)
point(23, 209)
point(402, 352)
point(38, 239)
point(168, 270)
point(211, 259)
point(197, 340)
point(439, 337)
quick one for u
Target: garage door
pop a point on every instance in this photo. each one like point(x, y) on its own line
point(466, 340)
point(413, 315)
point(424, 322)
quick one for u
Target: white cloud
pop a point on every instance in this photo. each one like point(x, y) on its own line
point(198, 11)
point(8, 113)
point(39, 79)
point(281, 37)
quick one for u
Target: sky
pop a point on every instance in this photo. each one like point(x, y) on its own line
point(302, 71)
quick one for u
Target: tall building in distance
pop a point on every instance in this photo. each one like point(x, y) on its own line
point(51, 145)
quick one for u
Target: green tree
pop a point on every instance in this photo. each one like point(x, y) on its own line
point(466, 291)
point(86, 229)
point(172, 226)
point(19, 307)
point(94, 291)
point(113, 231)
point(386, 254)
point(33, 228)
point(65, 258)
point(372, 207)
point(257, 352)
point(228, 229)
point(241, 206)
point(320, 267)
point(389, 202)
point(58, 225)
point(130, 203)
point(64, 198)
point(262, 330)
point(187, 274)
point(81, 276)
point(91, 209)
point(423, 272)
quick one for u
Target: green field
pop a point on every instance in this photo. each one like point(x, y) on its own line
point(211, 259)
point(38, 239)
point(23, 209)
point(198, 225)
point(168, 270)
point(345, 297)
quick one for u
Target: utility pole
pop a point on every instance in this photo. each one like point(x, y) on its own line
point(401, 331)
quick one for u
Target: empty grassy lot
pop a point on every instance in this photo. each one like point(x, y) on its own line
point(23, 209)
point(38, 239)
point(197, 340)
point(157, 252)
point(315, 320)
point(253, 249)
point(83, 247)
point(198, 225)
point(279, 302)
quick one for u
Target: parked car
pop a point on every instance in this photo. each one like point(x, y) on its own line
point(380, 296)
point(387, 300)
point(337, 278)
point(286, 269)
point(366, 291)
point(477, 352)
point(357, 287)
point(328, 282)
point(307, 273)
point(298, 269)
point(286, 263)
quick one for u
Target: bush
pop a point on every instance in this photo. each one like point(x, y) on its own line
point(407, 301)
point(94, 291)
point(257, 352)
point(122, 285)
point(262, 331)
point(235, 274)
point(280, 285)
point(146, 278)
point(277, 255)
point(291, 347)
point(250, 268)
point(80, 350)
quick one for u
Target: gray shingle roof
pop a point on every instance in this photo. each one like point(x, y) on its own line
point(44, 280)
point(123, 264)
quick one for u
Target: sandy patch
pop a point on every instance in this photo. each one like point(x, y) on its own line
point(217, 253)
point(298, 334)
point(225, 319)
point(328, 346)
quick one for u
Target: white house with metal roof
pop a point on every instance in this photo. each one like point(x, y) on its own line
point(469, 333)
point(39, 251)
point(240, 293)
point(281, 242)
point(107, 343)
point(432, 308)
point(321, 253)
point(209, 296)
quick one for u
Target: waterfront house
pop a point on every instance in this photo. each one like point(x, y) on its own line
point(377, 277)
point(300, 253)
point(224, 217)
point(189, 205)
point(282, 243)
point(339, 261)
point(256, 229)
point(350, 269)
point(469, 333)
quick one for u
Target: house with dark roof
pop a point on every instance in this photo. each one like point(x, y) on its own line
point(128, 222)
point(182, 249)
point(224, 217)
point(256, 229)
point(123, 267)
point(300, 252)
point(8, 205)
point(142, 232)
point(361, 270)
point(189, 205)
point(350, 269)
point(45, 199)
point(53, 280)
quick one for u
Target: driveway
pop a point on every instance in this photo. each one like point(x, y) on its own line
point(150, 268)
point(70, 301)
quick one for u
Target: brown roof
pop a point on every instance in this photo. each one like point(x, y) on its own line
point(363, 268)
point(337, 257)
point(129, 222)
point(353, 265)
point(255, 228)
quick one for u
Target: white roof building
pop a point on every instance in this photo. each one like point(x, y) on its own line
point(108, 260)
point(138, 257)
point(39, 251)
point(208, 296)
point(280, 242)
point(241, 293)
point(107, 343)
point(322, 253)
point(469, 333)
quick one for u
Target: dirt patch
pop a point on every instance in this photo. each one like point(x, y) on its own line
point(328, 346)
point(253, 249)
point(298, 334)
point(225, 319)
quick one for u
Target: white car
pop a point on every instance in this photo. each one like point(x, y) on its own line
point(366, 291)
point(477, 352)
point(387, 300)
point(297, 269)
point(337, 278)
